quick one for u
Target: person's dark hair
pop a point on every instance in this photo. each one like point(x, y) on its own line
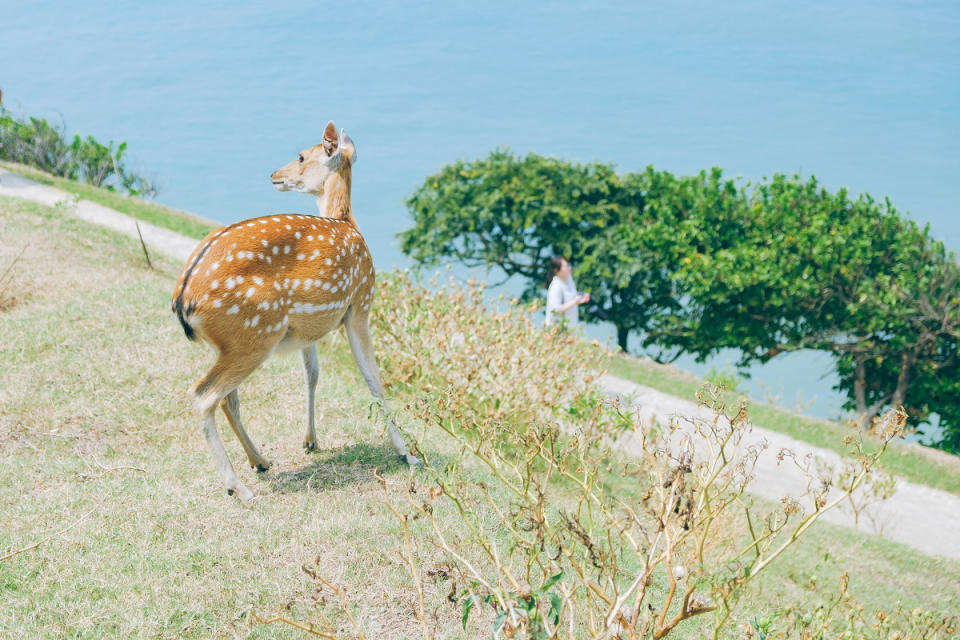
point(556, 263)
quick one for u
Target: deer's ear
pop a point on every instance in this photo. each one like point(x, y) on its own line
point(347, 147)
point(331, 140)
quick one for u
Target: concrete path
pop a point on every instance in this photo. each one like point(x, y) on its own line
point(162, 240)
point(924, 518)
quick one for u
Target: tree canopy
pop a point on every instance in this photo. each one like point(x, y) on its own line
point(695, 264)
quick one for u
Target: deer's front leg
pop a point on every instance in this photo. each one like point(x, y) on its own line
point(311, 373)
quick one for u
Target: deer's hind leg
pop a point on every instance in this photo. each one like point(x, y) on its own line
point(357, 325)
point(223, 378)
point(231, 408)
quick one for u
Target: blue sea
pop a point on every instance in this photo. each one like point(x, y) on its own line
point(213, 98)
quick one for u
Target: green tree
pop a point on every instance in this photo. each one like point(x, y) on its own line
point(807, 269)
point(699, 263)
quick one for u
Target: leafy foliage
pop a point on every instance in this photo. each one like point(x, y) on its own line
point(38, 143)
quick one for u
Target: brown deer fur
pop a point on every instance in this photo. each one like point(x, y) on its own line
point(280, 283)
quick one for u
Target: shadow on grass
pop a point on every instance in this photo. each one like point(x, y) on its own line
point(350, 466)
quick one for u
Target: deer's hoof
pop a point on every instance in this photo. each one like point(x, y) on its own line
point(413, 461)
point(242, 493)
point(262, 466)
point(310, 446)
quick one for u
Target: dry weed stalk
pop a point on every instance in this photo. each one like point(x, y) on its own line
point(325, 627)
point(8, 301)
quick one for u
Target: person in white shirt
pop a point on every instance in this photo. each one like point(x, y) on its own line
point(563, 299)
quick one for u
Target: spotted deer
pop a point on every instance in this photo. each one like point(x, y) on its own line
point(280, 283)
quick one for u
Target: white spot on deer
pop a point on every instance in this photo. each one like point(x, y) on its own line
point(297, 235)
point(233, 310)
point(289, 217)
point(263, 222)
point(263, 305)
point(254, 321)
point(329, 261)
point(307, 284)
point(214, 284)
point(310, 238)
point(331, 240)
point(288, 227)
point(334, 289)
point(229, 257)
point(258, 280)
point(217, 304)
point(326, 285)
point(239, 279)
point(301, 256)
point(275, 219)
point(251, 291)
point(276, 249)
point(246, 323)
point(295, 284)
point(286, 248)
point(260, 255)
point(231, 283)
point(215, 265)
point(264, 243)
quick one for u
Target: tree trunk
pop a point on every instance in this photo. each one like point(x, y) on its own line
point(860, 393)
point(622, 334)
point(907, 361)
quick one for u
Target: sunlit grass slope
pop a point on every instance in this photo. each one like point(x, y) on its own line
point(103, 463)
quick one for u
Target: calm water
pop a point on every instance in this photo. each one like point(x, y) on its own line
point(212, 99)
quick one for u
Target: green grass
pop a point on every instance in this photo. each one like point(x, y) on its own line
point(918, 464)
point(156, 214)
point(97, 440)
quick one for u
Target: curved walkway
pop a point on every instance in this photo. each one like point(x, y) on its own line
point(924, 518)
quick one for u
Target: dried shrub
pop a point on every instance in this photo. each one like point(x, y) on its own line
point(558, 514)
point(497, 360)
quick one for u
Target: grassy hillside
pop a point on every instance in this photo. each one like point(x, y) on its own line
point(103, 464)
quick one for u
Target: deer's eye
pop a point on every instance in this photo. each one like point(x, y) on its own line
point(301, 157)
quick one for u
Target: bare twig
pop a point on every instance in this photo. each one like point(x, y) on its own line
point(106, 470)
point(76, 522)
point(293, 623)
point(143, 244)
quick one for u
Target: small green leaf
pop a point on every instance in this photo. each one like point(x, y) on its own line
point(467, 607)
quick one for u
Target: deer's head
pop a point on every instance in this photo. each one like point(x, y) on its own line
point(318, 169)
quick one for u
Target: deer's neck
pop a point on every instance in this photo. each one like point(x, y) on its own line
point(334, 202)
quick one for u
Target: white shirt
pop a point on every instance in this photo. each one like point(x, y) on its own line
point(560, 293)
